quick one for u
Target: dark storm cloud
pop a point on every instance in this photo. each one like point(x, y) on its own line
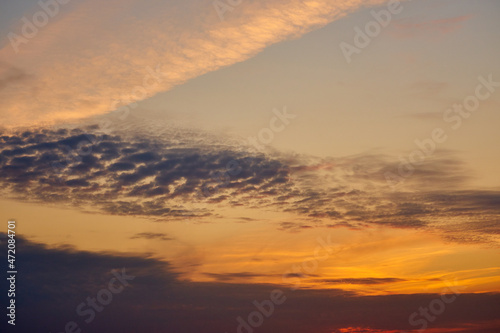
point(152, 235)
point(54, 281)
point(174, 178)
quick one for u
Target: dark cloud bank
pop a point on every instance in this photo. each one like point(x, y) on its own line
point(54, 281)
point(175, 177)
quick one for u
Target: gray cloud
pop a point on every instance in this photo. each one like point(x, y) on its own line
point(152, 235)
point(11, 75)
point(365, 281)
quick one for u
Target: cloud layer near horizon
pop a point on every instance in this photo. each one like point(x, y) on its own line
point(158, 300)
point(92, 57)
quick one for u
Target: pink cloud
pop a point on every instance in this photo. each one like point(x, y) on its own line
point(440, 27)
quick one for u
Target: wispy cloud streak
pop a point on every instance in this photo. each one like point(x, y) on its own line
point(165, 179)
point(94, 58)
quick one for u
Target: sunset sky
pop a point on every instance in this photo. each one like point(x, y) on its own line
point(335, 160)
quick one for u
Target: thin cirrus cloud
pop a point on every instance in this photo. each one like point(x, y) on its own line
point(94, 57)
point(173, 178)
point(407, 29)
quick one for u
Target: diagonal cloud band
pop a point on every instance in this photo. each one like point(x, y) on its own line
point(79, 64)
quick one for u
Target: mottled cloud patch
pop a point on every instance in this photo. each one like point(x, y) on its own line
point(176, 177)
point(123, 177)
